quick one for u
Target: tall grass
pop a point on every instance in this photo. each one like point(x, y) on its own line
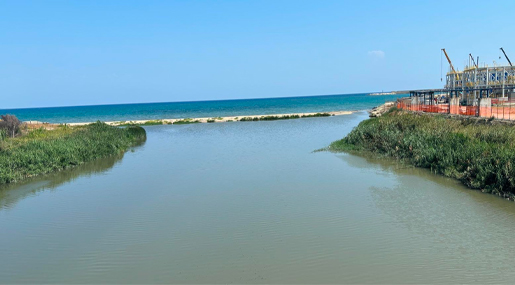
point(3, 134)
point(481, 154)
point(42, 151)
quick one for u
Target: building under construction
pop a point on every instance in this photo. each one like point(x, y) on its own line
point(476, 82)
point(487, 91)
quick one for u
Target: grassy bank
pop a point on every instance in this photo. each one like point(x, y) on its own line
point(480, 153)
point(43, 151)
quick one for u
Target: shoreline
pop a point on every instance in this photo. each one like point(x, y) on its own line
point(477, 152)
point(203, 119)
point(48, 151)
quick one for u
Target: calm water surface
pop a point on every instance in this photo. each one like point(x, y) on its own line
point(249, 202)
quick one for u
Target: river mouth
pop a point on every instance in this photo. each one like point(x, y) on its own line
point(251, 203)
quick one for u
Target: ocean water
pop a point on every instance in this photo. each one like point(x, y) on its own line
point(199, 109)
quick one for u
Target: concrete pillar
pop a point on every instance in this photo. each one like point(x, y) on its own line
point(415, 103)
point(485, 107)
point(454, 105)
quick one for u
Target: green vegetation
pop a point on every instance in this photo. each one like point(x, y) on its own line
point(317, 115)
point(147, 123)
point(9, 126)
point(480, 153)
point(42, 151)
point(284, 117)
point(212, 120)
point(153, 122)
point(248, 119)
point(3, 135)
point(273, 118)
point(186, 121)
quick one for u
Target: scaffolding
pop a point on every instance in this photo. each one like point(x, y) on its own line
point(476, 91)
point(461, 101)
point(499, 81)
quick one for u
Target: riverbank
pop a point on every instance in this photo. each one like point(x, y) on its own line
point(42, 151)
point(479, 153)
point(242, 118)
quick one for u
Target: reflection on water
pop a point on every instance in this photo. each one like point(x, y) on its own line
point(11, 193)
point(461, 222)
point(251, 203)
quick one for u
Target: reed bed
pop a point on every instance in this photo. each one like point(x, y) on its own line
point(43, 151)
point(480, 153)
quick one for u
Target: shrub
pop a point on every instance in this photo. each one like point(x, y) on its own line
point(10, 124)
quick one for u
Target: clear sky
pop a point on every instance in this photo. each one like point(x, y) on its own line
point(61, 53)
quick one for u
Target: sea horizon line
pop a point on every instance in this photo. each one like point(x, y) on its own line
point(192, 101)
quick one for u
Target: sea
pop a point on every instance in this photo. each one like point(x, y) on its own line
point(201, 109)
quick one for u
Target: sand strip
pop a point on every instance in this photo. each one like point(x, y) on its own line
point(205, 120)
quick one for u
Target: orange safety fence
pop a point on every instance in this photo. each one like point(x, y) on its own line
point(500, 109)
point(468, 110)
point(437, 108)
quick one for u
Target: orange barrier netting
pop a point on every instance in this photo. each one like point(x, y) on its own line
point(437, 108)
point(500, 109)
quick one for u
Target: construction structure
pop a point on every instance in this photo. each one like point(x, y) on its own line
point(487, 91)
point(476, 82)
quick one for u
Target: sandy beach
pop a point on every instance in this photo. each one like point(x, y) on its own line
point(197, 120)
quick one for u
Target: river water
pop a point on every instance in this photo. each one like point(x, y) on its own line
point(249, 202)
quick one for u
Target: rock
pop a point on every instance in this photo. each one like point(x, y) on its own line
point(380, 110)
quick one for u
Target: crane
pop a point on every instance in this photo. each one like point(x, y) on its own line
point(473, 61)
point(506, 57)
point(450, 63)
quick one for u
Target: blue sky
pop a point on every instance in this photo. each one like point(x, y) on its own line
point(61, 53)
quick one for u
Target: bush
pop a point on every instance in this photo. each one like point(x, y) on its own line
point(10, 124)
